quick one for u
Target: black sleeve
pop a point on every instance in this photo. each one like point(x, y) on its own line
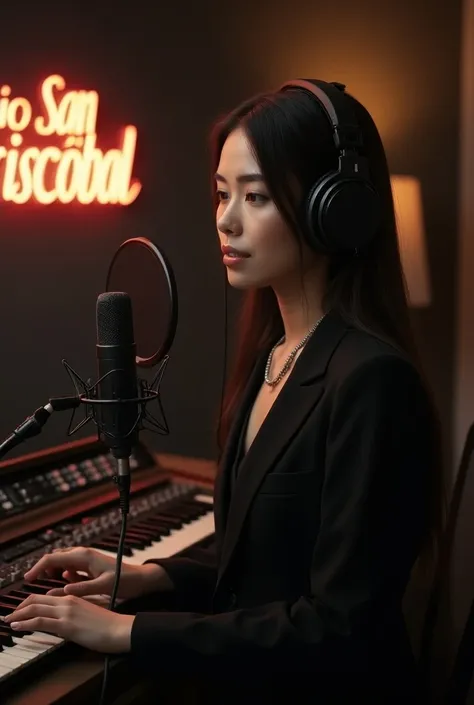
point(194, 578)
point(373, 512)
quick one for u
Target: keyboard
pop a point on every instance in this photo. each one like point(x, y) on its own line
point(166, 518)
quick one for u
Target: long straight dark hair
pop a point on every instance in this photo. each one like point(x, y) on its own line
point(292, 140)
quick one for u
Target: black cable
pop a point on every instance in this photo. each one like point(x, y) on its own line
point(224, 366)
point(123, 482)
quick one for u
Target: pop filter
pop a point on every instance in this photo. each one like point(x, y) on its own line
point(141, 269)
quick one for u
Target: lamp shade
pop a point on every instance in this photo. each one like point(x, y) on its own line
point(408, 203)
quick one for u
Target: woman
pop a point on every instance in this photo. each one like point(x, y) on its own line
point(328, 490)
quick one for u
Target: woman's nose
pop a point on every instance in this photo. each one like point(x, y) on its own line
point(228, 225)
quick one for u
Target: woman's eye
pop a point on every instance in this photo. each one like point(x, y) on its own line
point(221, 195)
point(256, 197)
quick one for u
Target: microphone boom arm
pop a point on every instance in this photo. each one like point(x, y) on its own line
point(33, 425)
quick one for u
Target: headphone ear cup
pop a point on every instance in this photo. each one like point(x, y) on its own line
point(342, 213)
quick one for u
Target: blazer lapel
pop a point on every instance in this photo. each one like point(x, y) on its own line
point(291, 408)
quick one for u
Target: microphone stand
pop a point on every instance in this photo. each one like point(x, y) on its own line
point(33, 425)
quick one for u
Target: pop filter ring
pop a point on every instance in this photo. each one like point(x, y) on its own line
point(159, 255)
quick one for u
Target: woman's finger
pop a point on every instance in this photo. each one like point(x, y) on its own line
point(39, 624)
point(75, 559)
point(97, 586)
point(32, 611)
point(73, 576)
point(35, 600)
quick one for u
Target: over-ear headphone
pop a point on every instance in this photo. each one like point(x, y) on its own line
point(343, 210)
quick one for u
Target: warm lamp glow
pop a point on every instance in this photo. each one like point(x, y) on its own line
point(411, 238)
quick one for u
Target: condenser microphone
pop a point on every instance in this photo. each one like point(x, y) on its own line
point(117, 405)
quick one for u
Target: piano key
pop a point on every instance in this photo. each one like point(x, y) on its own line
point(30, 647)
point(17, 658)
point(50, 583)
point(9, 661)
point(163, 519)
point(177, 541)
point(148, 535)
point(113, 539)
point(155, 529)
point(140, 534)
point(14, 632)
point(108, 547)
point(14, 600)
point(6, 638)
point(44, 638)
point(14, 653)
point(35, 588)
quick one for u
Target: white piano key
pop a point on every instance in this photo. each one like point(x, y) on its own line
point(26, 649)
point(43, 638)
point(204, 498)
point(33, 647)
point(16, 652)
point(11, 660)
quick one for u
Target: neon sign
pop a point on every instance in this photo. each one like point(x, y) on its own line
point(73, 169)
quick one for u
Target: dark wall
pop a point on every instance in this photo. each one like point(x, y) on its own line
point(171, 72)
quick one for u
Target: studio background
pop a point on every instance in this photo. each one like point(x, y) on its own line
point(172, 72)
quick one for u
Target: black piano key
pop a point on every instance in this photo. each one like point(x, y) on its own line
point(162, 529)
point(162, 520)
point(6, 638)
point(20, 593)
point(157, 534)
point(130, 542)
point(179, 509)
point(146, 539)
point(12, 599)
point(172, 512)
point(51, 583)
point(5, 608)
point(186, 514)
point(144, 531)
point(155, 530)
point(166, 519)
point(137, 530)
point(35, 587)
point(14, 632)
point(198, 511)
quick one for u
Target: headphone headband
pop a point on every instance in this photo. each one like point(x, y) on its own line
point(346, 132)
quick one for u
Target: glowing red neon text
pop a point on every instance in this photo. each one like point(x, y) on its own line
point(75, 170)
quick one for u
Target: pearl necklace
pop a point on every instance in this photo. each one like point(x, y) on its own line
point(289, 360)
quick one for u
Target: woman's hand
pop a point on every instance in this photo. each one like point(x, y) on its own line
point(135, 580)
point(76, 620)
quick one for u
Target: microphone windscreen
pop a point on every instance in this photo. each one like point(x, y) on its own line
point(114, 319)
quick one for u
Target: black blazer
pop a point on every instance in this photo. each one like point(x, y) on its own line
point(315, 541)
